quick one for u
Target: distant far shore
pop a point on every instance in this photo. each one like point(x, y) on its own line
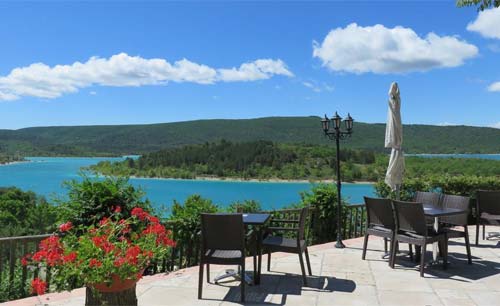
point(251, 180)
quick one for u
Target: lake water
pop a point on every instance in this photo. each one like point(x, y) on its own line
point(45, 175)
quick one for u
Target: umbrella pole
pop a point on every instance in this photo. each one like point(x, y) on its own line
point(398, 192)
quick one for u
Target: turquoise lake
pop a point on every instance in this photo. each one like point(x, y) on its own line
point(45, 175)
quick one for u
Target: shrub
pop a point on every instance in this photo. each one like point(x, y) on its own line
point(246, 206)
point(458, 185)
point(91, 199)
point(186, 217)
point(324, 198)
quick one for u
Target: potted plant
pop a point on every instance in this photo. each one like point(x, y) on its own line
point(108, 258)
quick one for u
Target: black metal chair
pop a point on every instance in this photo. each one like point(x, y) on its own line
point(451, 222)
point(379, 222)
point(487, 210)
point(428, 198)
point(411, 228)
point(222, 243)
point(298, 245)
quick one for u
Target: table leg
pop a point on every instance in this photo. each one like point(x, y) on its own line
point(259, 252)
point(435, 244)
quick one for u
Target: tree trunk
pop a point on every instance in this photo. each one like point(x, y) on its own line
point(121, 298)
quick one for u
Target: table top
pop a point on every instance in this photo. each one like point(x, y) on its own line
point(433, 211)
point(255, 219)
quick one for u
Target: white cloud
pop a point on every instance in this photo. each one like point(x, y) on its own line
point(494, 87)
point(496, 125)
point(92, 93)
point(43, 81)
point(314, 86)
point(257, 70)
point(378, 49)
point(487, 23)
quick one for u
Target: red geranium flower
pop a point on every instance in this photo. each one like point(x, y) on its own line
point(95, 263)
point(139, 213)
point(38, 286)
point(65, 226)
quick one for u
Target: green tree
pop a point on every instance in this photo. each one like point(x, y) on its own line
point(324, 198)
point(91, 199)
point(480, 4)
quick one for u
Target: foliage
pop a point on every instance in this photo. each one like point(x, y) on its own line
point(140, 139)
point(324, 198)
point(458, 185)
point(187, 216)
point(92, 254)
point(246, 206)
point(17, 287)
point(256, 159)
point(480, 4)
point(92, 199)
point(25, 213)
point(267, 160)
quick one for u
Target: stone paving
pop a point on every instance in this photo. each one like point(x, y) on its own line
point(340, 277)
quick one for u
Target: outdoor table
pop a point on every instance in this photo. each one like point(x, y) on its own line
point(437, 212)
point(258, 220)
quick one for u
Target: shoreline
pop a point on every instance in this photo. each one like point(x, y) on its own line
point(253, 180)
point(15, 162)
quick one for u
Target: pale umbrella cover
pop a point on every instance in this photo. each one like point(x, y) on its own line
point(394, 140)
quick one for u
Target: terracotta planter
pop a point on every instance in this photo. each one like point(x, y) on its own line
point(117, 284)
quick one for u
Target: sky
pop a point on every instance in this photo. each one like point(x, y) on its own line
point(98, 62)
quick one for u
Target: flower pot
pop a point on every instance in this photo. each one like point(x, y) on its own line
point(117, 284)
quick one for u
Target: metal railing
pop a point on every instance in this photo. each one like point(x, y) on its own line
point(184, 254)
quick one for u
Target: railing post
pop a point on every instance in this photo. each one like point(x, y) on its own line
point(12, 263)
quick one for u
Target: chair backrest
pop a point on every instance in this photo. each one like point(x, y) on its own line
point(454, 201)
point(410, 217)
point(304, 213)
point(379, 213)
point(222, 232)
point(428, 198)
point(488, 201)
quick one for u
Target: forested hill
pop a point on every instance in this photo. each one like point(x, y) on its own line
point(130, 139)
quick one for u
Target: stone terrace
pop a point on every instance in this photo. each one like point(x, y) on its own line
point(340, 277)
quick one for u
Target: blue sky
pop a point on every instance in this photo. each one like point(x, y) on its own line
point(245, 60)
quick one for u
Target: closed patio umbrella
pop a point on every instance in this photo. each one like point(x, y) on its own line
point(394, 140)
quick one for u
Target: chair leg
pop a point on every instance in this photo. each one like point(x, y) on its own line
point(254, 266)
point(392, 258)
point(484, 231)
point(410, 247)
point(365, 246)
point(385, 245)
point(422, 259)
point(308, 262)
point(467, 245)
point(268, 261)
point(418, 253)
point(477, 233)
point(242, 283)
point(200, 280)
point(445, 252)
point(304, 278)
point(208, 273)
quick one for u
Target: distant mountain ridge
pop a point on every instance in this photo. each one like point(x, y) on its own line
point(137, 139)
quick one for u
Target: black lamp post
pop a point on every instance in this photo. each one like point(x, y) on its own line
point(336, 133)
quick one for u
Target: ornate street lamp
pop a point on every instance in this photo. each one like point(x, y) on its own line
point(335, 132)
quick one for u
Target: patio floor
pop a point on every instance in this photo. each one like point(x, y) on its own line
point(340, 277)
